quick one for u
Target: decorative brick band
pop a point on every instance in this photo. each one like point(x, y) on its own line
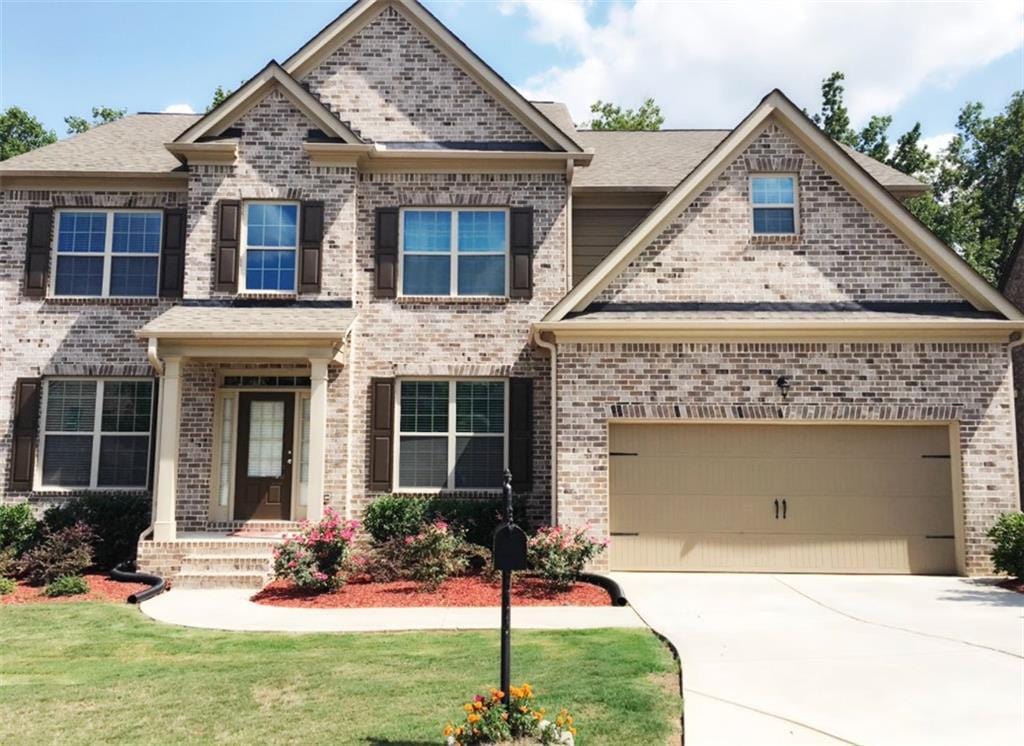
point(102, 370)
point(786, 412)
point(774, 163)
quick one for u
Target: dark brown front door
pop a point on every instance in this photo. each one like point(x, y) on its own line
point(263, 482)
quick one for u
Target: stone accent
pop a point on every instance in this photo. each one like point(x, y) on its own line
point(394, 85)
point(969, 384)
point(841, 253)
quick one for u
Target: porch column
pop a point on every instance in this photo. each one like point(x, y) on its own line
point(317, 437)
point(165, 487)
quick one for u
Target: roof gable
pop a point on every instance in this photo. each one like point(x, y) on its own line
point(357, 17)
point(837, 162)
point(271, 77)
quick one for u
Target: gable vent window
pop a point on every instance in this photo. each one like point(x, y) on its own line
point(774, 203)
point(270, 247)
point(454, 252)
point(107, 253)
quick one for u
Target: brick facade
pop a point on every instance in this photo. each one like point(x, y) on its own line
point(842, 252)
point(969, 384)
point(367, 81)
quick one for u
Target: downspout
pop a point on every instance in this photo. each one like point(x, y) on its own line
point(553, 349)
point(1016, 340)
point(158, 366)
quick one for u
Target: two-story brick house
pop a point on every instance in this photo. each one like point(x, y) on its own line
point(377, 268)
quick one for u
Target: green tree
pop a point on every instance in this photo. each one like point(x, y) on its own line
point(873, 139)
point(219, 96)
point(613, 117)
point(910, 156)
point(100, 115)
point(21, 132)
point(834, 118)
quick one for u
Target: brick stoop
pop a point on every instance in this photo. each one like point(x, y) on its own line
point(216, 562)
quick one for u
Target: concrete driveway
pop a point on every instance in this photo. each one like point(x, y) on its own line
point(827, 659)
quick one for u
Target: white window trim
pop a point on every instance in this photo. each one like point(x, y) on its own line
point(108, 254)
point(96, 434)
point(795, 205)
point(451, 435)
point(243, 247)
point(453, 250)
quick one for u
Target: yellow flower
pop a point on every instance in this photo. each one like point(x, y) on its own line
point(568, 719)
point(448, 730)
point(478, 705)
point(473, 718)
point(468, 707)
point(522, 709)
point(573, 731)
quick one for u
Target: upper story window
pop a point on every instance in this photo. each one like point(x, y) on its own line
point(451, 434)
point(454, 252)
point(270, 246)
point(96, 432)
point(774, 203)
point(113, 253)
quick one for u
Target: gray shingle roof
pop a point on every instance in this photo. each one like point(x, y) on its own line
point(132, 145)
point(217, 322)
point(660, 160)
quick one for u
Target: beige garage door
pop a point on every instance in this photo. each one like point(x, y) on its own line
point(781, 498)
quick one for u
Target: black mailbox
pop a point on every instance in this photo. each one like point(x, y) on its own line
point(509, 548)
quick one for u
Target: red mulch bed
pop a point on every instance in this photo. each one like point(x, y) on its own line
point(1013, 585)
point(101, 588)
point(468, 591)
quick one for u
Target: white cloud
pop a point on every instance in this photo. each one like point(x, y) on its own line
point(179, 109)
point(708, 63)
point(937, 143)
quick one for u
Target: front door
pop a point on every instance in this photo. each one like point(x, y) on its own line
point(263, 481)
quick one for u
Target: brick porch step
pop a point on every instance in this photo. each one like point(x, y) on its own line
point(226, 562)
point(221, 579)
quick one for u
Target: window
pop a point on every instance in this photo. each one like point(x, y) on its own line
point(451, 434)
point(96, 433)
point(270, 247)
point(774, 201)
point(107, 253)
point(454, 252)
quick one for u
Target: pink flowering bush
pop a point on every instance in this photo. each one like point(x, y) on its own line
point(430, 556)
point(559, 554)
point(313, 558)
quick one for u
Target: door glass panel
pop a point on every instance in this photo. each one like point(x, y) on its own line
point(266, 438)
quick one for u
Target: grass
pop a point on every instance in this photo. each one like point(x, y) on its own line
point(100, 673)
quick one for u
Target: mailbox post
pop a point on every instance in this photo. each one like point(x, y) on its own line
point(509, 554)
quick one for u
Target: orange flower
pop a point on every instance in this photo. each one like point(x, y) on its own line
point(478, 705)
point(473, 718)
point(468, 707)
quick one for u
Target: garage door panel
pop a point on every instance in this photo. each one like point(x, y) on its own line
point(856, 496)
point(707, 552)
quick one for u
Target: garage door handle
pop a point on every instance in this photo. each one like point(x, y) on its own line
point(783, 510)
point(776, 510)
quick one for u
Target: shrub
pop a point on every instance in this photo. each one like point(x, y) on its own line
point(430, 556)
point(313, 559)
point(392, 517)
point(18, 528)
point(487, 721)
point(559, 554)
point(67, 551)
point(7, 586)
point(66, 585)
point(395, 517)
point(8, 563)
point(1008, 544)
point(116, 521)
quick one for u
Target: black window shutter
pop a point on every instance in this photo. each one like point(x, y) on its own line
point(311, 225)
point(37, 251)
point(26, 428)
point(382, 430)
point(172, 254)
point(521, 249)
point(229, 226)
point(520, 433)
point(386, 253)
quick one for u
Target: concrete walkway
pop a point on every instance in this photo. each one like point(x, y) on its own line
point(232, 610)
point(866, 660)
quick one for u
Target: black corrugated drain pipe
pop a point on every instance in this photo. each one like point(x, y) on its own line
point(608, 584)
point(122, 574)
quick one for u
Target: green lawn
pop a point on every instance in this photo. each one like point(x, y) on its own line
point(92, 673)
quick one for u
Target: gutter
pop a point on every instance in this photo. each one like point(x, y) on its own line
point(537, 337)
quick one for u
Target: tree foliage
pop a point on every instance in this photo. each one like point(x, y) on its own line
point(100, 115)
point(21, 132)
point(219, 96)
point(976, 202)
point(610, 116)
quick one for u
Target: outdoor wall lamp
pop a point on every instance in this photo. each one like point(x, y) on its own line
point(783, 385)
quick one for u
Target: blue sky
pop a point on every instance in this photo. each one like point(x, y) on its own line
point(916, 61)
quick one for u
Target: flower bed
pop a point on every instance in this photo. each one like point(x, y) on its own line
point(101, 588)
point(464, 591)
